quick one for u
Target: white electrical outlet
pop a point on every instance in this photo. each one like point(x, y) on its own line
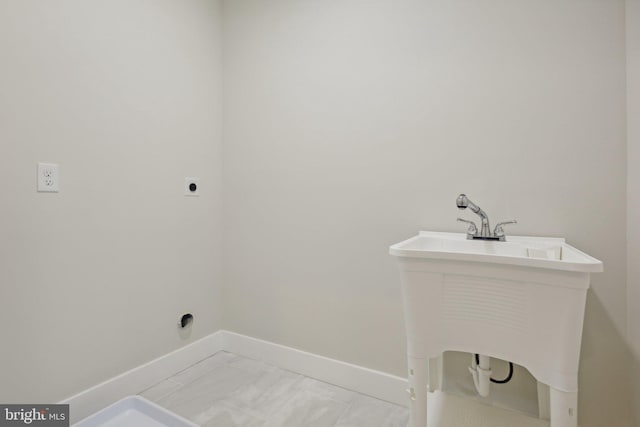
point(48, 177)
point(192, 186)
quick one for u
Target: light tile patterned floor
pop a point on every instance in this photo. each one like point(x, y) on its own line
point(227, 390)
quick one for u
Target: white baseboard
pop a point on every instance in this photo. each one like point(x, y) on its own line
point(362, 380)
point(142, 377)
point(353, 377)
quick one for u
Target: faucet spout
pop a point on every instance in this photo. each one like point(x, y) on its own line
point(463, 202)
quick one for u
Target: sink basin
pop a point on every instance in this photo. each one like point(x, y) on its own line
point(540, 252)
point(521, 300)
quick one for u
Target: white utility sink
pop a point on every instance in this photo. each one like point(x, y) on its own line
point(540, 252)
point(520, 300)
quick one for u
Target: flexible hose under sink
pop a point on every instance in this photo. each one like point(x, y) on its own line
point(504, 381)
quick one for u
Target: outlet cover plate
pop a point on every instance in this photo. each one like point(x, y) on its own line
point(48, 178)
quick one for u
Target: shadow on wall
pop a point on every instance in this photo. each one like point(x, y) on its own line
point(610, 353)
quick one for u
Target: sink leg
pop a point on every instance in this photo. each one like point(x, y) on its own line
point(435, 373)
point(563, 408)
point(543, 401)
point(418, 378)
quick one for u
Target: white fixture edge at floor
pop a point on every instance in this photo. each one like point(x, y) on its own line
point(353, 377)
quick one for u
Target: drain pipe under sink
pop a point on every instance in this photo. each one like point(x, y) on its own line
point(481, 374)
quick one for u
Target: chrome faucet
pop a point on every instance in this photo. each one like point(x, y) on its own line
point(484, 233)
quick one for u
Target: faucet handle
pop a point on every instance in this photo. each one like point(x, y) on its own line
point(472, 230)
point(498, 231)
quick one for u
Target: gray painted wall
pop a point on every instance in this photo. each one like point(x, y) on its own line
point(350, 125)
